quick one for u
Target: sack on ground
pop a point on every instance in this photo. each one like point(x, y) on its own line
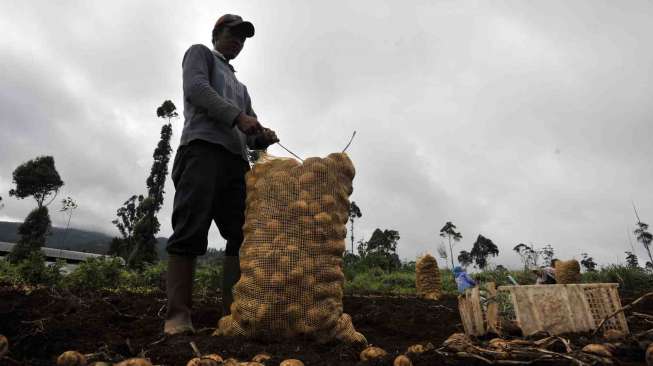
point(291, 259)
point(427, 278)
point(567, 271)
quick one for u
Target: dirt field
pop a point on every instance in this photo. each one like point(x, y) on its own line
point(41, 324)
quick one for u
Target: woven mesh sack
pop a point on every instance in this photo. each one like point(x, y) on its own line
point(427, 278)
point(291, 259)
point(567, 271)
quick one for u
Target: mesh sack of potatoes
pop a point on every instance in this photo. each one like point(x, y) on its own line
point(291, 259)
point(567, 271)
point(427, 278)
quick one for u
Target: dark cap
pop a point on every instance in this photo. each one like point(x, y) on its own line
point(232, 21)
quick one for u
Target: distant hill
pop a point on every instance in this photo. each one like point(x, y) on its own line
point(76, 239)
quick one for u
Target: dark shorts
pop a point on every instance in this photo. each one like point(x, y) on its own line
point(209, 186)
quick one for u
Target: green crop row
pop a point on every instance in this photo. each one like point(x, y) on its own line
point(110, 274)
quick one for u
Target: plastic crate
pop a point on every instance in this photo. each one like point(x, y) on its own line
point(555, 309)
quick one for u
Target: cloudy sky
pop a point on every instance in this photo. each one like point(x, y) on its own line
point(523, 121)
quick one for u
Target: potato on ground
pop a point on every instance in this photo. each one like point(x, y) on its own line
point(231, 362)
point(203, 361)
point(416, 348)
point(261, 357)
point(71, 358)
point(597, 349)
point(291, 362)
point(402, 360)
point(372, 352)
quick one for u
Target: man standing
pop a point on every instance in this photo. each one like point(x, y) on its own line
point(210, 166)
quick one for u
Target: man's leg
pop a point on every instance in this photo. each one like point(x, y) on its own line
point(193, 175)
point(179, 288)
point(229, 214)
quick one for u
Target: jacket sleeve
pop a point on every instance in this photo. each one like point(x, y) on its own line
point(197, 87)
point(470, 280)
point(253, 141)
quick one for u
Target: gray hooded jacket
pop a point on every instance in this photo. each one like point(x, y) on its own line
point(213, 98)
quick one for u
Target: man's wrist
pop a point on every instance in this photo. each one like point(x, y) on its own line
point(235, 122)
point(259, 141)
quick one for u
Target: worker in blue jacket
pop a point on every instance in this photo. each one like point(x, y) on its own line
point(462, 279)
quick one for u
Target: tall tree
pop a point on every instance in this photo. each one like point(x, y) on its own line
point(501, 268)
point(68, 205)
point(128, 215)
point(144, 236)
point(32, 235)
point(139, 224)
point(354, 213)
point(528, 254)
point(547, 253)
point(381, 249)
point(383, 241)
point(442, 252)
point(159, 171)
point(588, 262)
point(361, 247)
point(644, 236)
point(148, 226)
point(465, 258)
point(449, 231)
point(482, 249)
point(631, 260)
point(39, 179)
point(167, 110)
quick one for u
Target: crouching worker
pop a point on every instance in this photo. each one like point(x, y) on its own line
point(463, 281)
point(210, 165)
point(546, 275)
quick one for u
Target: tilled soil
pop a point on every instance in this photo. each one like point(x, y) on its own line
point(41, 324)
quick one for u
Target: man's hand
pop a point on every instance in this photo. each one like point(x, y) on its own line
point(248, 125)
point(267, 138)
point(270, 136)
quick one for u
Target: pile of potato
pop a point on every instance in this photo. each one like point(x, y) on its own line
point(567, 271)
point(291, 259)
point(427, 278)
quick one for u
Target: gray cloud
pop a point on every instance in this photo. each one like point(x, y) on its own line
point(521, 121)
